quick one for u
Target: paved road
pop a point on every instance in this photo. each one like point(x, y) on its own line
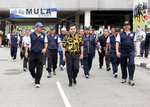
point(100, 90)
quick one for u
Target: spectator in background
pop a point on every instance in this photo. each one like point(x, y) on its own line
point(81, 32)
point(20, 42)
point(139, 39)
point(13, 44)
point(112, 31)
point(8, 38)
point(22, 49)
point(147, 42)
point(61, 36)
point(1, 34)
point(102, 43)
point(44, 58)
point(5, 41)
point(142, 46)
point(121, 30)
point(96, 38)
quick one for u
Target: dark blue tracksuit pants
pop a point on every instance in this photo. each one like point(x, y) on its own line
point(21, 53)
point(128, 61)
point(61, 62)
point(115, 61)
point(13, 52)
point(146, 49)
point(142, 48)
point(81, 60)
point(87, 62)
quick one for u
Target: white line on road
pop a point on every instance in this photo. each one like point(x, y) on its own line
point(63, 95)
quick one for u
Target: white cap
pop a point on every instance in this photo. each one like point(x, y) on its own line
point(63, 29)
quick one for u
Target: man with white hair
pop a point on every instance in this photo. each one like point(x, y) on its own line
point(139, 39)
point(142, 45)
point(62, 35)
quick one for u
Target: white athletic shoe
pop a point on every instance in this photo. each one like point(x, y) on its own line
point(61, 67)
point(49, 75)
point(37, 85)
point(115, 75)
point(87, 76)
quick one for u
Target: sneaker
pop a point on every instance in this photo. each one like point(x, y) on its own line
point(24, 69)
point(49, 75)
point(123, 81)
point(87, 76)
point(115, 75)
point(54, 73)
point(61, 67)
point(37, 85)
point(131, 82)
point(108, 68)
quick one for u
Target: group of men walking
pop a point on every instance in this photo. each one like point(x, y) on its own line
point(73, 47)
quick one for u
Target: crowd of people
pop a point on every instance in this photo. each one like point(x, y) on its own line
point(143, 41)
point(75, 47)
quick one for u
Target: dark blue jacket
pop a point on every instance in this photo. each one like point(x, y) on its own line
point(126, 43)
point(21, 38)
point(52, 41)
point(102, 39)
point(89, 43)
point(37, 43)
point(14, 40)
point(95, 36)
point(112, 43)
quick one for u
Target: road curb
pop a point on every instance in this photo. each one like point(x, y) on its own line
point(142, 64)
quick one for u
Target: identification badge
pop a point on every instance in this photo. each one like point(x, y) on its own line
point(42, 36)
point(131, 34)
point(55, 37)
point(15, 36)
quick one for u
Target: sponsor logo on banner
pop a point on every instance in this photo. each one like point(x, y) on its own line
point(33, 13)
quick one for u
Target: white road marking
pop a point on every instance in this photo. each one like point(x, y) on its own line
point(66, 101)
